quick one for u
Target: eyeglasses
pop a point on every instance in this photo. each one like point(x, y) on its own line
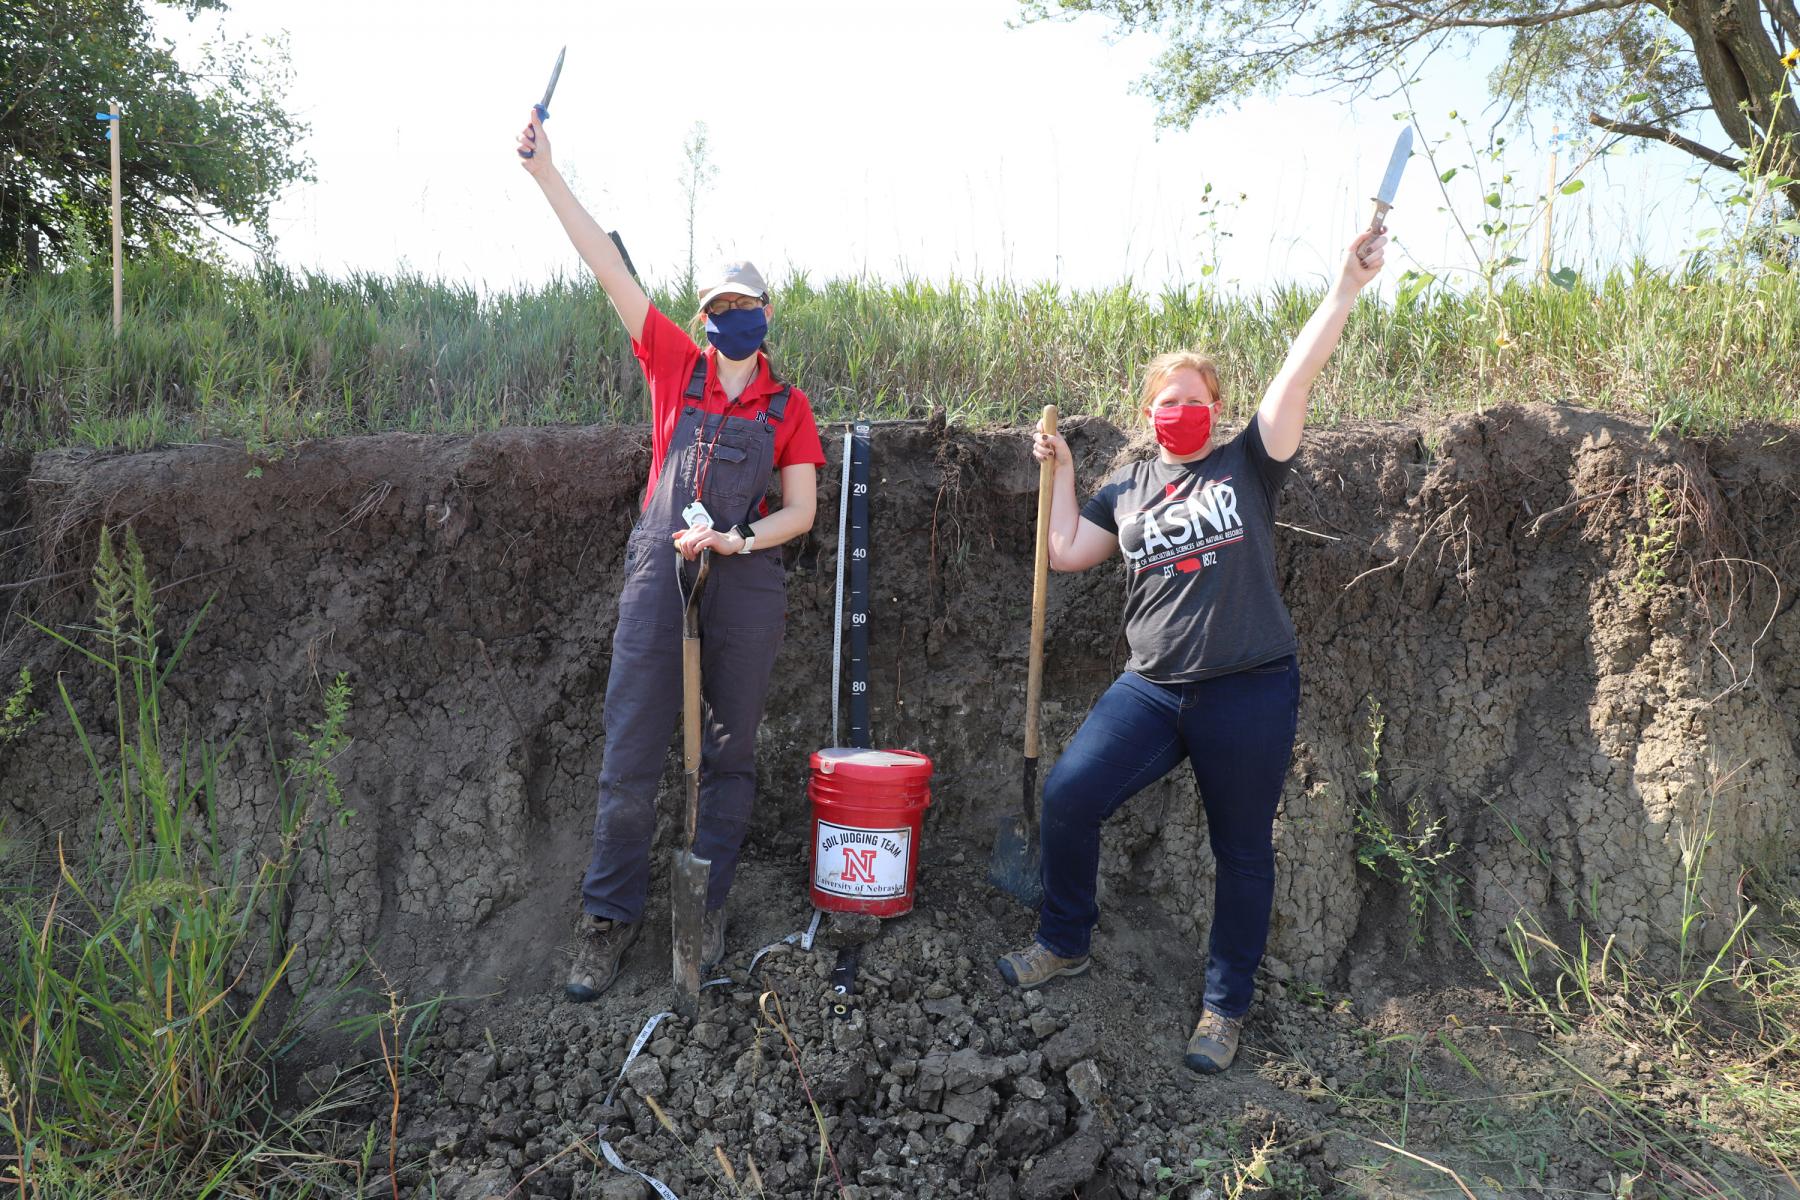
point(724, 304)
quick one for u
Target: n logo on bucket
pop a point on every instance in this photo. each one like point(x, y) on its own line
point(861, 864)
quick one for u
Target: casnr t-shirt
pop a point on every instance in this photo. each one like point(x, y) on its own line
point(1201, 597)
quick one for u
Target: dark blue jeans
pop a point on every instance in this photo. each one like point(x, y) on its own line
point(1238, 732)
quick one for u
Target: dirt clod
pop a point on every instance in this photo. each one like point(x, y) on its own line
point(1062, 1169)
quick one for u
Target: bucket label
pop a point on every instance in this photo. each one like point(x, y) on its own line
point(861, 864)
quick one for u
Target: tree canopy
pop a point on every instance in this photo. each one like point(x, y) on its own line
point(201, 148)
point(1634, 68)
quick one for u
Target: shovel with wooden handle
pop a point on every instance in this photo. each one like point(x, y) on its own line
point(690, 874)
point(1016, 867)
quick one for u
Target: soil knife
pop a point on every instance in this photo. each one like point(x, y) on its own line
point(1390, 182)
point(543, 106)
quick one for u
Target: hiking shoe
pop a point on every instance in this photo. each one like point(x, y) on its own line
point(600, 945)
point(1214, 1043)
point(712, 939)
point(1034, 965)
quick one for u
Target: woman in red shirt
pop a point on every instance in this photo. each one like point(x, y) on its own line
point(722, 425)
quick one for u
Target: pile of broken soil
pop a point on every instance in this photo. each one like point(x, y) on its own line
point(941, 1081)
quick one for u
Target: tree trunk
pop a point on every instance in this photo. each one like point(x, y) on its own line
point(1744, 78)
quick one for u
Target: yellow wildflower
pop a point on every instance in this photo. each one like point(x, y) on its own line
point(1791, 59)
point(1502, 341)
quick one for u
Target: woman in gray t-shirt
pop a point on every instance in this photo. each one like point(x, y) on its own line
point(1212, 678)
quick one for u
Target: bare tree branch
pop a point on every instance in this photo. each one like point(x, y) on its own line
point(1443, 21)
point(1786, 18)
point(1569, 55)
point(1655, 134)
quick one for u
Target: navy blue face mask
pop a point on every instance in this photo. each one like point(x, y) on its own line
point(738, 333)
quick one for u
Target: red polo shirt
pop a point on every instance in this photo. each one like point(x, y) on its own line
point(668, 355)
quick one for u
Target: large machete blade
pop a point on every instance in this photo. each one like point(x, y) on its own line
point(550, 88)
point(1390, 183)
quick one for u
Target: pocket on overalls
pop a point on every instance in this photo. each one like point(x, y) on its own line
point(726, 493)
point(758, 583)
point(647, 592)
point(639, 548)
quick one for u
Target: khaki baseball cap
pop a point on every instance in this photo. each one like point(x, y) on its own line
point(738, 278)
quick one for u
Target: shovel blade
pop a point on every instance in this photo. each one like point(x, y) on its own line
point(1015, 867)
point(687, 902)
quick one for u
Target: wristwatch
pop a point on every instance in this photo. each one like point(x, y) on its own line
point(743, 530)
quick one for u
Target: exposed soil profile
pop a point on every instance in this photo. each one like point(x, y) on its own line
point(1581, 643)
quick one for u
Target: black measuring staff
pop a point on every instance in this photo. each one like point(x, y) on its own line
point(859, 586)
point(843, 980)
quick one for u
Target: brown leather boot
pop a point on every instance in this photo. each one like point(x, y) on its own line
point(1214, 1043)
point(600, 945)
point(1034, 966)
point(712, 939)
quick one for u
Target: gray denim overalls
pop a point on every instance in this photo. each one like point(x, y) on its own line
point(743, 615)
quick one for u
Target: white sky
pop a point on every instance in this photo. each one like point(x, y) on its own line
point(854, 137)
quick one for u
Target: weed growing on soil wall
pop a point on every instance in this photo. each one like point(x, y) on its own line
point(136, 1058)
point(1413, 856)
point(1653, 547)
point(270, 356)
point(17, 715)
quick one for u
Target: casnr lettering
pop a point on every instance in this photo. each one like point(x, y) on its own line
point(1169, 526)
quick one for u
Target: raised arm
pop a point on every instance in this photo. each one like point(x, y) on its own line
point(596, 249)
point(1282, 414)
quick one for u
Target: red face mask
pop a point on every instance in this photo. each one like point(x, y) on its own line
point(1182, 428)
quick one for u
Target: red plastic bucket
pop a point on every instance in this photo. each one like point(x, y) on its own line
point(867, 807)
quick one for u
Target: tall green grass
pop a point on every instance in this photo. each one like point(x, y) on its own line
point(272, 355)
point(137, 1053)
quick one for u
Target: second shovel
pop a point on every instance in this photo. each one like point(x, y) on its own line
point(1016, 867)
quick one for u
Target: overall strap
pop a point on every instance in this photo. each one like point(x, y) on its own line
point(696, 391)
point(696, 388)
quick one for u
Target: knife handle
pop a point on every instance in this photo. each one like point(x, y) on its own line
point(1377, 224)
point(543, 114)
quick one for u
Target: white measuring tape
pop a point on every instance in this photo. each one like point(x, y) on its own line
point(606, 1149)
point(805, 940)
point(643, 1038)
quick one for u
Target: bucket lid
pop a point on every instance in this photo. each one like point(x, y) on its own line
point(870, 764)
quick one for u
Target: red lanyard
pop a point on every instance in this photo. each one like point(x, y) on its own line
point(707, 453)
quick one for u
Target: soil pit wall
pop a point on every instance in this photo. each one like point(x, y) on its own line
point(1583, 644)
